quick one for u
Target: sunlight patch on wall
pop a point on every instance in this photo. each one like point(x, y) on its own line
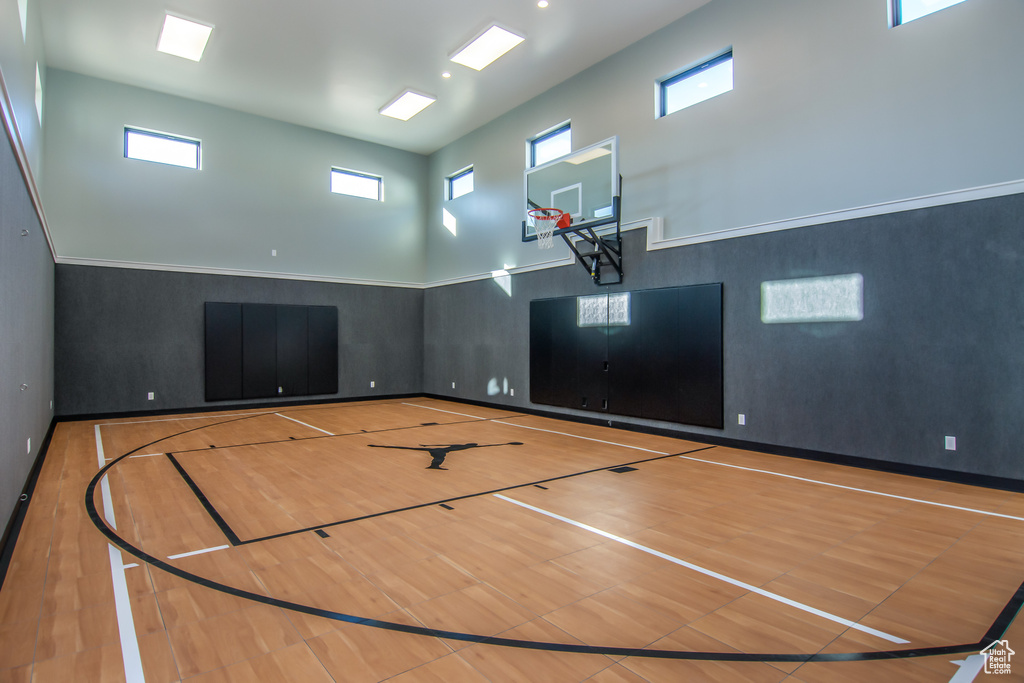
point(836, 298)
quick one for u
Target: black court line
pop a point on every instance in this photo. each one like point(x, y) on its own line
point(228, 532)
point(994, 633)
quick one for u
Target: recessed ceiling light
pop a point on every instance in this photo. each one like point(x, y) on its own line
point(407, 105)
point(446, 74)
point(542, 4)
point(183, 38)
point(485, 48)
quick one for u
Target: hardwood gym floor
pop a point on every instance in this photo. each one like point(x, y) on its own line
point(424, 540)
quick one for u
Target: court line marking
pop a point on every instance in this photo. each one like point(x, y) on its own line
point(182, 419)
point(147, 455)
point(450, 412)
point(130, 654)
point(197, 552)
point(712, 574)
point(304, 424)
point(968, 668)
point(577, 436)
point(852, 488)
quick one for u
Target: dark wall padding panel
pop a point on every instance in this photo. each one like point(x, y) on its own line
point(666, 364)
point(940, 350)
point(223, 359)
point(121, 333)
point(270, 350)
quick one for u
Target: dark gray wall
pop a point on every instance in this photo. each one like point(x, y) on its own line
point(940, 350)
point(121, 333)
point(26, 332)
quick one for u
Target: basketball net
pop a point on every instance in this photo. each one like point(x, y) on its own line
point(545, 221)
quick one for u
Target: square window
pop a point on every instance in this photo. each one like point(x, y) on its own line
point(702, 82)
point(162, 148)
point(550, 145)
point(461, 183)
point(357, 184)
point(904, 11)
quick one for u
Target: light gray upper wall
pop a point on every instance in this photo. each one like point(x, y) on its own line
point(264, 185)
point(831, 110)
point(18, 58)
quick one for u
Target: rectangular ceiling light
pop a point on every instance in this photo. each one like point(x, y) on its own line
point(183, 38)
point(485, 48)
point(407, 105)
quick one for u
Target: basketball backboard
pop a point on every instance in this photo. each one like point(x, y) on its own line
point(583, 184)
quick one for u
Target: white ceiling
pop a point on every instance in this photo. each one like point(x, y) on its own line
point(332, 64)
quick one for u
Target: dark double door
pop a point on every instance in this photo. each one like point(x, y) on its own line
point(657, 356)
point(268, 350)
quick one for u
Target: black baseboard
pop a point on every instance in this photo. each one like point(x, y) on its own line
point(13, 529)
point(616, 422)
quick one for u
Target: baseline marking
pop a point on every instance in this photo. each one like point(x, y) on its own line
point(304, 424)
point(182, 419)
point(713, 574)
point(197, 552)
point(851, 488)
point(577, 436)
point(122, 602)
point(417, 405)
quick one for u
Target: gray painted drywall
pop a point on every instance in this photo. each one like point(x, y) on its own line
point(121, 333)
point(26, 332)
point(940, 350)
point(264, 185)
point(831, 110)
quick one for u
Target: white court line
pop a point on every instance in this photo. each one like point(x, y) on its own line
point(417, 405)
point(147, 455)
point(713, 574)
point(122, 603)
point(304, 424)
point(969, 669)
point(577, 436)
point(131, 566)
point(851, 488)
point(182, 419)
point(196, 552)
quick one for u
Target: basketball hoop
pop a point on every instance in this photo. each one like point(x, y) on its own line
point(545, 222)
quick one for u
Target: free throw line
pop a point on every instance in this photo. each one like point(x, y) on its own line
point(712, 574)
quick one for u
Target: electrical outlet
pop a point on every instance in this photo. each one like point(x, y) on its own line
point(372, 383)
point(950, 443)
point(30, 445)
point(150, 396)
point(511, 392)
point(273, 252)
point(453, 385)
point(741, 419)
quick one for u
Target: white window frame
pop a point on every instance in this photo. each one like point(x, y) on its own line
point(159, 135)
point(450, 182)
point(361, 175)
point(685, 74)
point(550, 133)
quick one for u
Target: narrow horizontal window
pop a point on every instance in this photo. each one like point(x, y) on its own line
point(162, 148)
point(551, 145)
point(700, 83)
point(837, 298)
point(904, 11)
point(461, 183)
point(357, 184)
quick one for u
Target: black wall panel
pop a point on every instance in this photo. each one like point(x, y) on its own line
point(700, 355)
point(223, 360)
point(666, 364)
point(259, 350)
point(323, 349)
point(292, 351)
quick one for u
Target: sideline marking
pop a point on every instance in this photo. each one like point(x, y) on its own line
point(577, 436)
point(969, 669)
point(304, 424)
point(417, 405)
point(122, 603)
point(713, 574)
point(851, 488)
point(196, 552)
